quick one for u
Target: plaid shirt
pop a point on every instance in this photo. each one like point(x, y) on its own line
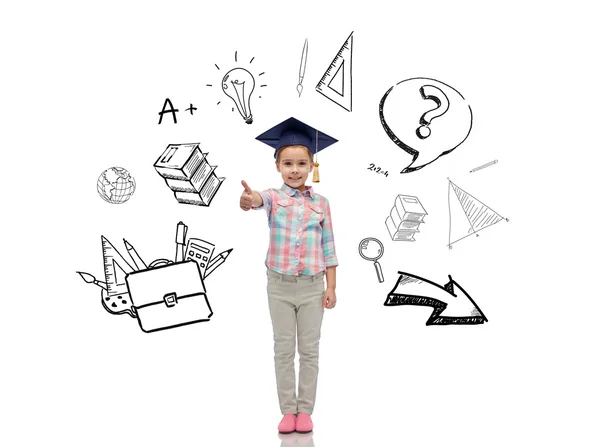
point(301, 241)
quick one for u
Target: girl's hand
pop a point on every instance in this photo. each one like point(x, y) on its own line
point(329, 299)
point(246, 200)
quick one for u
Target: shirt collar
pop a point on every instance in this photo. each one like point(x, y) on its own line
point(293, 191)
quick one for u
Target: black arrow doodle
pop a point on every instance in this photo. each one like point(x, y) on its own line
point(451, 303)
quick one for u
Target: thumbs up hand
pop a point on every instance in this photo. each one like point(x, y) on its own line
point(246, 199)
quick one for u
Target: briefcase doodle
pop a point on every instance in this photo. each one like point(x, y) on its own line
point(168, 296)
point(161, 294)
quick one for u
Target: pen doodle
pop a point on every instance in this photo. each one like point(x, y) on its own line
point(404, 218)
point(336, 83)
point(188, 174)
point(451, 303)
point(238, 84)
point(115, 185)
point(468, 215)
point(425, 118)
point(371, 249)
point(162, 294)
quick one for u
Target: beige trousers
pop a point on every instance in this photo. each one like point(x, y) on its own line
point(296, 306)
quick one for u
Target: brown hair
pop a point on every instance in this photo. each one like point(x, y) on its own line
point(310, 154)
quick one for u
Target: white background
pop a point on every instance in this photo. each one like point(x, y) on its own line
point(82, 86)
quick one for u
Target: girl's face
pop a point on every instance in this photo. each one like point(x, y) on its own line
point(294, 164)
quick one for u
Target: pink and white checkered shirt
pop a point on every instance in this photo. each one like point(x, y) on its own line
point(301, 240)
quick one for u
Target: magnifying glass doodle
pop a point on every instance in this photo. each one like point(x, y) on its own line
point(371, 249)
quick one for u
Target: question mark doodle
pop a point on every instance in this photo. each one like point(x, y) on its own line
point(443, 104)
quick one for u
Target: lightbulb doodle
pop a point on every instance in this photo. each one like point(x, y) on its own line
point(425, 118)
point(239, 84)
point(162, 294)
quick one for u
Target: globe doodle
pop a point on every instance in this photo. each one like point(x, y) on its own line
point(116, 185)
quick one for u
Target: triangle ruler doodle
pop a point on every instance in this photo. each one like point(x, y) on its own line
point(115, 269)
point(336, 83)
point(468, 215)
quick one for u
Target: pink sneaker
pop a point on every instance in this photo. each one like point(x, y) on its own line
point(304, 423)
point(287, 424)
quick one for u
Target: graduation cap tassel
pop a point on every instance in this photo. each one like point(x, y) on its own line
point(316, 178)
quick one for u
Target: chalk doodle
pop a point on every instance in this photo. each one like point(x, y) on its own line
point(468, 215)
point(336, 83)
point(451, 303)
point(238, 84)
point(404, 218)
point(162, 294)
point(115, 185)
point(425, 118)
point(188, 174)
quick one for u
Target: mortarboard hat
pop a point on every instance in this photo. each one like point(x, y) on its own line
point(293, 132)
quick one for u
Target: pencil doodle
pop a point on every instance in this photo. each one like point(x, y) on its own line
point(299, 87)
point(451, 303)
point(162, 294)
point(407, 116)
point(115, 185)
point(238, 84)
point(371, 249)
point(405, 217)
point(484, 166)
point(186, 171)
point(468, 215)
point(336, 83)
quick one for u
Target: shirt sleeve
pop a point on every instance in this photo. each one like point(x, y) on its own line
point(327, 239)
point(267, 199)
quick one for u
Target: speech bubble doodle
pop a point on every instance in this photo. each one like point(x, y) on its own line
point(409, 103)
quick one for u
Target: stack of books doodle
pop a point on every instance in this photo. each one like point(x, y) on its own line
point(187, 172)
point(405, 217)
